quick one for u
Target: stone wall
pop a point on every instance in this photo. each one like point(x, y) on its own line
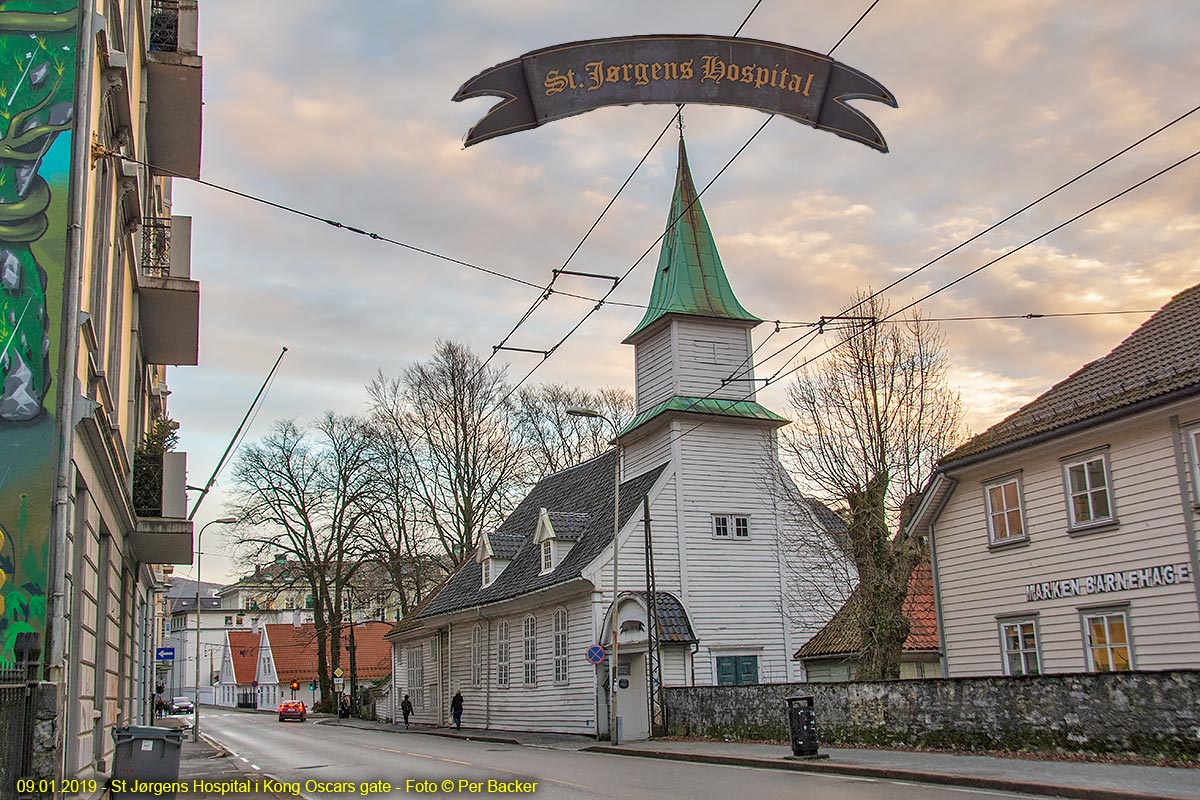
point(1150, 713)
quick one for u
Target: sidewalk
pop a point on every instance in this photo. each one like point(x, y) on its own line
point(1072, 779)
point(1075, 779)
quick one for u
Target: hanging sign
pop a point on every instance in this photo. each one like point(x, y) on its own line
point(561, 81)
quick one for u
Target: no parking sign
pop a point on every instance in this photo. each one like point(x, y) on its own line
point(595, 654)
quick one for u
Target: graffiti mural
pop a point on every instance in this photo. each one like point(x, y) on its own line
point(38, 64)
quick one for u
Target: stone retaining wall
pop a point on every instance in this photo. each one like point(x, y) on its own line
point(1150, 713)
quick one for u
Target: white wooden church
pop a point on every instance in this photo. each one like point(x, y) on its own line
point(512, 627)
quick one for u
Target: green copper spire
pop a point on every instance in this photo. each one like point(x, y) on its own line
point(690, 278)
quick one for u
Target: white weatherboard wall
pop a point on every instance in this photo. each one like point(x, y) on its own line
point(425, 704)
point(978, 583)
point(708, 353)
point(655, 378)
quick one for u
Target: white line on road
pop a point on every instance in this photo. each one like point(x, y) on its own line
point(243, 758)
point(256, 766)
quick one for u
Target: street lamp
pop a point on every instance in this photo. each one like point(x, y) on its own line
point(196, 706)
point(581, 411)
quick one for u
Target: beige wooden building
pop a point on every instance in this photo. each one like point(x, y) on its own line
point(1064, 537)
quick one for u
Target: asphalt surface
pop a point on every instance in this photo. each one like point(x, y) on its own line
point(329, 761)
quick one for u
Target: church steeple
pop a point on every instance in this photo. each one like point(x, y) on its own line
point(690, 279)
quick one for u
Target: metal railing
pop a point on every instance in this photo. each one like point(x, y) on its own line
point(16, 736)
point(147, 485)
point(164, 26)
point(156, 247)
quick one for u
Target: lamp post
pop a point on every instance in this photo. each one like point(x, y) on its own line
point(580, 411)
point(196, 706)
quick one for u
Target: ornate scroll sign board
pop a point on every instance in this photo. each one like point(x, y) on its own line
point(568, 79)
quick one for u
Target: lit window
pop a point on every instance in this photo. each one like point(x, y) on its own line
point(547, 557)
point(1005, 522)
point(560, 646)
point(726, 526)
point(1107, 635)
point(1020, 647)
point(530, 650)
point(1088, 494)
point(477, 655)
point(502, 655)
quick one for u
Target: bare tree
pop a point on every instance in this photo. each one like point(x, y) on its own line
point(303, 495)
point(870, 423)
point(554, 439)
point(467, 459)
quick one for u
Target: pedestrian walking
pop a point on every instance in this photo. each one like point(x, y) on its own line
point(406, 707)
point(456, 708)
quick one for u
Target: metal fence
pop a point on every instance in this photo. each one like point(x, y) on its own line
point(156, 246)
point(16, 736)
point(164, 26)
point(147, 485)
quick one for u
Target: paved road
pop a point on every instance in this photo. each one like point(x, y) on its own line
point(313, 754)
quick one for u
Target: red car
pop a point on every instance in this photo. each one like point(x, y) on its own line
point(292, 710)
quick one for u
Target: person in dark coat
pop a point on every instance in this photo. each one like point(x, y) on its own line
point(456, 708)
point(407, 708)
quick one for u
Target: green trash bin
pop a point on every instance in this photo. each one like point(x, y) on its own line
point(148, 755)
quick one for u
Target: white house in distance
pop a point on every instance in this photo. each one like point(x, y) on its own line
point(511, 627)
point(1064, 538)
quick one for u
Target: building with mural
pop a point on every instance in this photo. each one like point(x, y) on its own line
point(96, 300)
point(513, 627)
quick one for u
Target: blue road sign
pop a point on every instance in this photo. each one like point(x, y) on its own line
point(164, 654)
point(595, 654)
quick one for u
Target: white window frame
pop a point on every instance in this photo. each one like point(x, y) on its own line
point(990, 513)
point(1086, 615)
point(486, 572)
point(529, 650)
point(1193, 437)
point(1083, 460)
point(477, 655)
point(561, 628)
point(502, 655)
point(1022, 651)
point(414, 661)
point(547, 557)
point(726, 527)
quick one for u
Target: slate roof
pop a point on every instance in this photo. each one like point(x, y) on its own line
point(690, 278)
point(294, 649)
point(1156, 363)
point(586, 489)
point(568, 524)
point(243, 649)
point(841, 636)
point(706, 406)
point(674, 627)
point(181, 605)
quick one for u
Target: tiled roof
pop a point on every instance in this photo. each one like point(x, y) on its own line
point(690, 278)
point(409, 621)
point(181, 605)
point(294, 649)
point(587, 489)
point(674, 627)
point(1158, 361)
point(841, 635)
point(243, 649)
point(708, 406)
point(505, 545)
point(568, 524)
point(825, 517)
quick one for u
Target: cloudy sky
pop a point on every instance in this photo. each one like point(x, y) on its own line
point(343, 110)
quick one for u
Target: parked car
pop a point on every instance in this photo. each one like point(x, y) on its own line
point(293, 709)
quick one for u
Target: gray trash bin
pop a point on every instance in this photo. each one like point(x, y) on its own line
point(147, 754)
point(802, 723)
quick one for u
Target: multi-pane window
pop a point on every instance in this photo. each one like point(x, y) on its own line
point(415, 658)
point(1194, 440)
point(1020, 647)
point(487, 571)
point(726, 526)
point(1088, 491)
point(529, 642)
point(1108, 641)
point(1005, 523)
point(477, 655)
point(560, 646)
point(502, 654)
point(547, 556)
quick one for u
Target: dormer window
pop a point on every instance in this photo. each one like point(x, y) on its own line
point(547, 557)
point(487, 572)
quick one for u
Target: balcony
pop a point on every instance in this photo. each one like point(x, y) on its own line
point(163, 534)
point(169, 304)
point(174, 92)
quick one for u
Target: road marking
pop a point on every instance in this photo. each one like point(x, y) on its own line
point(256, 766)
point(420, 755)
point(243, 758)
point(452, 761)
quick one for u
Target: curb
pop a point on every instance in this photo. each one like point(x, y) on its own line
point(425, 732)
point(888, 773)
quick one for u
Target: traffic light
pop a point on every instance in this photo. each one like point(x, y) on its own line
point(312, 686)
point(295, 685)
